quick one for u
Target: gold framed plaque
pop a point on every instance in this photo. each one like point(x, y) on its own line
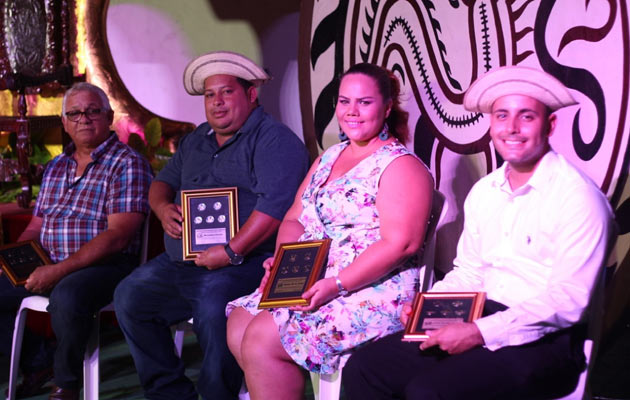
point(435, 310)
point(18, 260)
point(210, 217)
point(296, 268)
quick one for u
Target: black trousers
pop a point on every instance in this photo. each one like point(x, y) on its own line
point(392, 369)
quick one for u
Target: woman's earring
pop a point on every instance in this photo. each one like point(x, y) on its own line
point(342, 136)
point(384, 135)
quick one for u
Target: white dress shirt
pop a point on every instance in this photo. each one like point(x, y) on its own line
point(538, 250)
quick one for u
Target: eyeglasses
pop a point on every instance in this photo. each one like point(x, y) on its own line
point(92, 114)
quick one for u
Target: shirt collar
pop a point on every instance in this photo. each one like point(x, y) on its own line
point(544, 170)
point(541, 175)
point(99, 151)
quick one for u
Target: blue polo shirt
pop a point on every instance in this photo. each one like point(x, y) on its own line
point(265, 160)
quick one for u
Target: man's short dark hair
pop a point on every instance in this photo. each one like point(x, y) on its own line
point(244, 83)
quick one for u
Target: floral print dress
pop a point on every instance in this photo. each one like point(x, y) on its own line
point(343, 210)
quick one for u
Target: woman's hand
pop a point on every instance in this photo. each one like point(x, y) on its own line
point(406, 313)
point(267, 264)
point(320, 293)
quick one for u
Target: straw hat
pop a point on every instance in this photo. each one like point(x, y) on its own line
point(221, 62)
point(516, 80)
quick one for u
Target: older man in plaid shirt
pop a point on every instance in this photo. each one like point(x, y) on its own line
point(88, 216)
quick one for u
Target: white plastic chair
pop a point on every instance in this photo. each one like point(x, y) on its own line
point(90, 360)
point(328, 386)
point(178, 338)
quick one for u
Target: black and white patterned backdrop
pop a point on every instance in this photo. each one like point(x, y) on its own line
point(438, 47)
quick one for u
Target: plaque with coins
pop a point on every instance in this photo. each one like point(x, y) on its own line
point(18, 260)
point(210, 218)
point(297, 266)
point(436, 310)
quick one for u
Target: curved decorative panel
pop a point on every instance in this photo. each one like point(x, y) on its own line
point(438, 47)
point(101, 70)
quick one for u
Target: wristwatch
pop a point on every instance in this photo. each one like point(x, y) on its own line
point(342, 290)
point(235, 259)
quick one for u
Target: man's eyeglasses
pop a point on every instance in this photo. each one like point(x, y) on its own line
point(91, 113)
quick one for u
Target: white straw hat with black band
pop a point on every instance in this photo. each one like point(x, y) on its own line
point(510, 80)
point(221, 63)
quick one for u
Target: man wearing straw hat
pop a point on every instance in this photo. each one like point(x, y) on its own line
point(535, 239)
point(239, 146)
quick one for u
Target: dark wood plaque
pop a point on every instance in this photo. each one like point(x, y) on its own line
point(296, 268)
point(18, 260)
point(435, 310)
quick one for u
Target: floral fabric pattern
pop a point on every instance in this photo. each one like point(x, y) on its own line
point(343, 210)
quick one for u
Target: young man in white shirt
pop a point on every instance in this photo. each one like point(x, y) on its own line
point(535, 239)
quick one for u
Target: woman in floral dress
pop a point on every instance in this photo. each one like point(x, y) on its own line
point(372, 197)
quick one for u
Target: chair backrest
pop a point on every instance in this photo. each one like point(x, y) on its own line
point(594, 319)
point(595, 316)
point(582, 389)
point(144, 244)
point(439, 208)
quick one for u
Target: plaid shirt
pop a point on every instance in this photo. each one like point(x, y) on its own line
point(76, 210)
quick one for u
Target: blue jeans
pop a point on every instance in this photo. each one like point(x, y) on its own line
point(161, 293)
point(73, 302)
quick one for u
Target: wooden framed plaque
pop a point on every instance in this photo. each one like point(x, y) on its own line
point(18, 260)
point(296, 268)
point(435, 310)
point(210, 217)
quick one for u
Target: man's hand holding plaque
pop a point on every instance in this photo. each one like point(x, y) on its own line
point(297, 266)
point(433, 311)
point(19, 260)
